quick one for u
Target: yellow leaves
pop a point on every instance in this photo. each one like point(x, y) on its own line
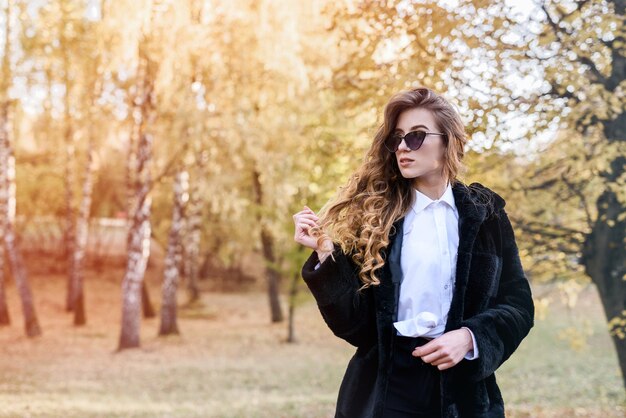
point(314, 188)
point(570, 290)
point(617, 326)
point(577, 336)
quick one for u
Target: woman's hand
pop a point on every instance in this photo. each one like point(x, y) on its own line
point(304, 220)
point(446, 350)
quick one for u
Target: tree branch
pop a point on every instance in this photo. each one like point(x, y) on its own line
point(581, 196)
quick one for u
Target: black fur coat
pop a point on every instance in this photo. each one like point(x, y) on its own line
point(491, 297)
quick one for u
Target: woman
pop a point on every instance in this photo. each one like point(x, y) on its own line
point(419, 272)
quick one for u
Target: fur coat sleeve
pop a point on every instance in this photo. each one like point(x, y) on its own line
point(349, 314)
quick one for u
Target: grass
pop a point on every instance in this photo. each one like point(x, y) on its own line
point(230, 361)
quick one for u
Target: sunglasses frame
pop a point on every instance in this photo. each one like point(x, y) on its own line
point(419, 140)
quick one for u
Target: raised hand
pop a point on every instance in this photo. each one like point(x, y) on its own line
point(305, 220)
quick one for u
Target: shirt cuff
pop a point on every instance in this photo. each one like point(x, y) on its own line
point(473, 353)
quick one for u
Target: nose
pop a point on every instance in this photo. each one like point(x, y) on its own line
point(403, 146)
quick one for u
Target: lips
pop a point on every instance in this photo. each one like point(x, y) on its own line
point(405, 160)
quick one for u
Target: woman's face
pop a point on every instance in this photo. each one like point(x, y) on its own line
point(425, 163)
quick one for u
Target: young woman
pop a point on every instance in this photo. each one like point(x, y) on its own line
point(418, 271)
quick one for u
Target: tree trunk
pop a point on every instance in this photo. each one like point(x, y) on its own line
point(192, 246)
point(139, 233)
point(273, 277)
point(131, 191)
point(605, 261)
point(7, 211)
point(146, 303)
point(293, 295)
point(271, 272)
point(69, 235)
point(5, 319)
point(18, 270)
point(138, 252)
point(169, 323)
point(82, 234)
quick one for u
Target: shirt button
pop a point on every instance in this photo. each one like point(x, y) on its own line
point(445, 287)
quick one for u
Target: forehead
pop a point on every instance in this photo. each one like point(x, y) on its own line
point(411, 118)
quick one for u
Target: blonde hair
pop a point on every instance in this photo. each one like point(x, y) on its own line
point(360, 217)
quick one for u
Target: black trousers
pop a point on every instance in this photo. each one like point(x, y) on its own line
point(413, 389)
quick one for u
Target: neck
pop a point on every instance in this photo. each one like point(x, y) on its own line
point(431, 187)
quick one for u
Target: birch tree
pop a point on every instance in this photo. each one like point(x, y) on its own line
point(82, 221)
point(7, 184)
point(139, 233)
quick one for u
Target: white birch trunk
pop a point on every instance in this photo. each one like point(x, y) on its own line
point(192, 244)
point(138, 242)
point(137, 118)
point(169, 324)
point(138, 251)
point(82, 235)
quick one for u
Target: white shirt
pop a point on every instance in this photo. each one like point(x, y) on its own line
point(428, 261)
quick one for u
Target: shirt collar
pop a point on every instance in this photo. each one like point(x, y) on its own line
point(421, 200)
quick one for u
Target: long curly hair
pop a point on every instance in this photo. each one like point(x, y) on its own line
point(360, 217)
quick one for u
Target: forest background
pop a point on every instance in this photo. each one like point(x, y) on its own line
point(152, 154)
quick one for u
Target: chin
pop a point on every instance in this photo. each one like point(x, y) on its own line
point(410, 174)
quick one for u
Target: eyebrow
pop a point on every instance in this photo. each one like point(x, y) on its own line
point(412, 128)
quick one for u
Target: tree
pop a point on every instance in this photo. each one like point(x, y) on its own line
point(262, 145)
point(7, 186)
point(139, 233)
point(580, 49)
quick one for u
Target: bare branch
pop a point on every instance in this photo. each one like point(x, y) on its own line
point(581, 196)
point(559, 32)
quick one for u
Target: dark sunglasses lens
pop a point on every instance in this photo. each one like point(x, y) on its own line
point(393, 142)
point(414, 139)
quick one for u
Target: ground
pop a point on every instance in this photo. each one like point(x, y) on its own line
point(230, 361)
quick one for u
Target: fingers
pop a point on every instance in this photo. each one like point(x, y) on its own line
point(303, 221)
point(441, 360)
point(436, 357)
point(306, 217)
point(427, 348)
point(437, 353)
point(306, 212)
point(445, 366)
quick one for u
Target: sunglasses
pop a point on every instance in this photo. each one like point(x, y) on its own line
point(413, 140)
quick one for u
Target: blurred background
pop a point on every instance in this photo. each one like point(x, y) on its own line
point(152, 154)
